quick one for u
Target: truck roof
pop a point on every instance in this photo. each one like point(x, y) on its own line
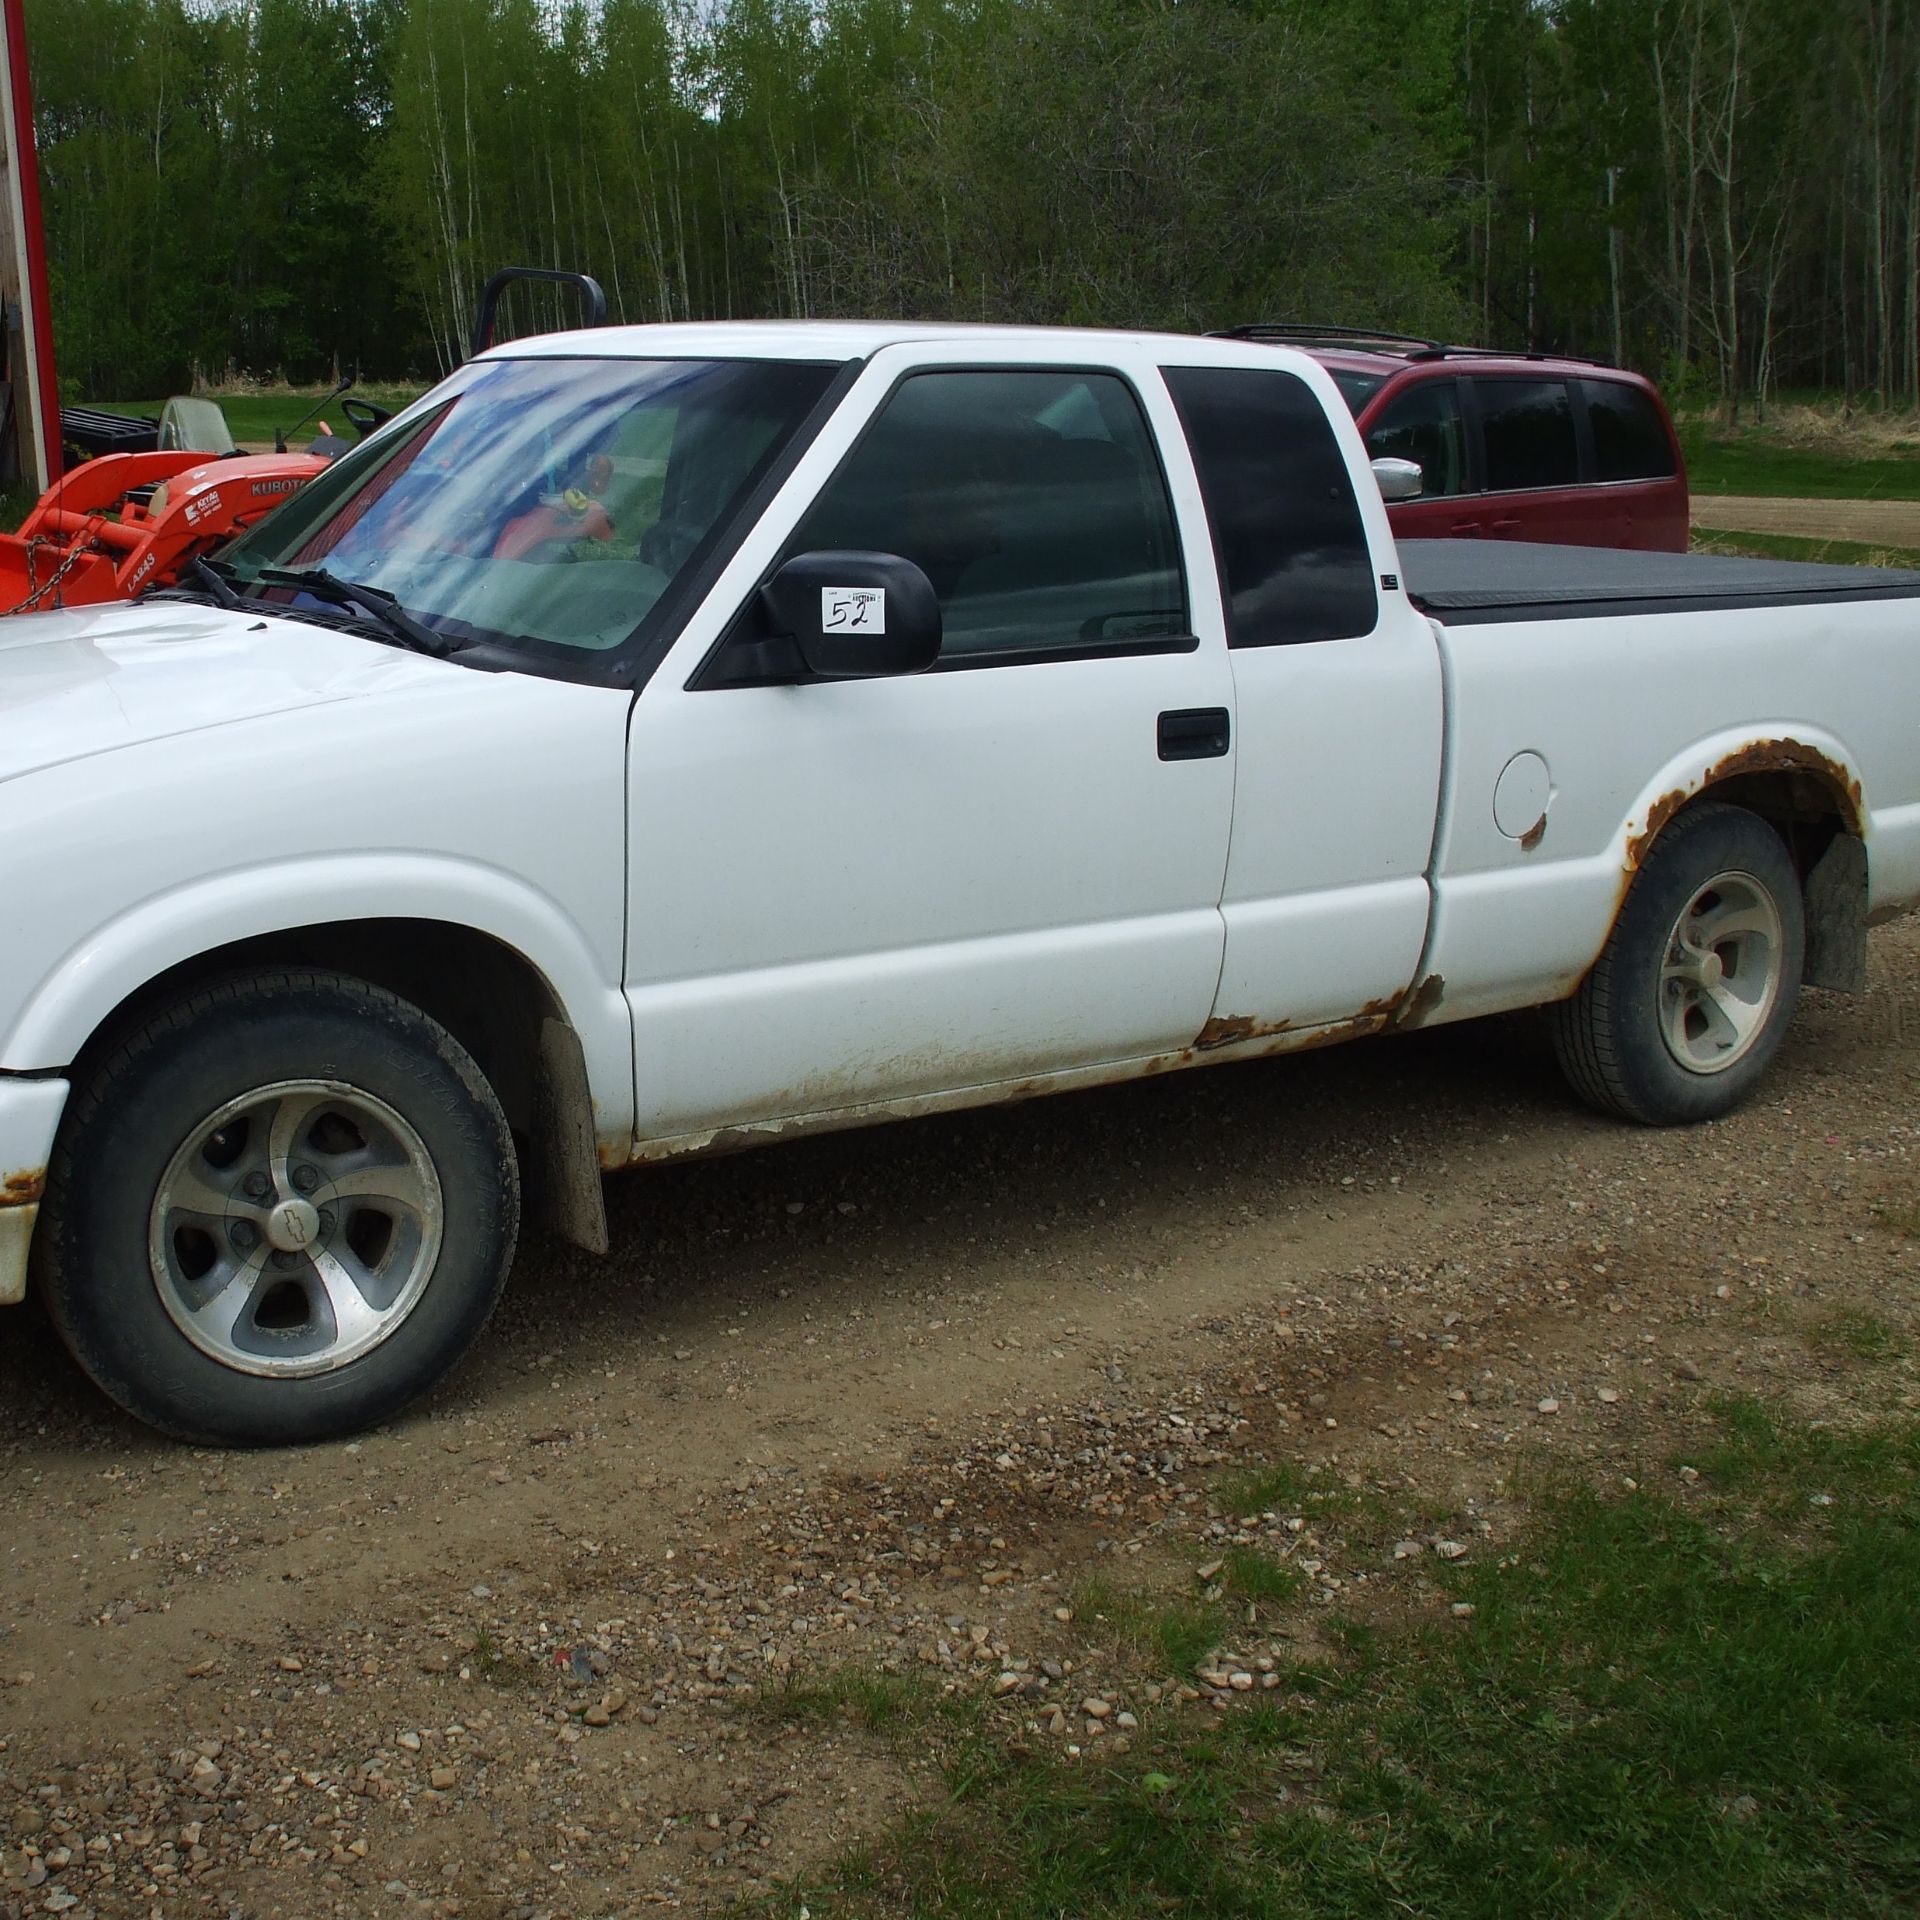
point(836, 340)
point(801, 339)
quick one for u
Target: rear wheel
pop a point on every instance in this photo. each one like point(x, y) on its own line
point(278, 1212)
point(1694, 992)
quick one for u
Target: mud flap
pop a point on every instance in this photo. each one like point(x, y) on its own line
point(570, 1195)
point(1837, 917)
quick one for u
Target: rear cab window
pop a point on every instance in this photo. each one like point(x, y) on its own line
point(1287, 534)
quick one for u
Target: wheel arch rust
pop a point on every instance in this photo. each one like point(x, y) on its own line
point(1815, 802)
point(1786, 780)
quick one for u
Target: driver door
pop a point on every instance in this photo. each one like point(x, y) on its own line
point(856, 894)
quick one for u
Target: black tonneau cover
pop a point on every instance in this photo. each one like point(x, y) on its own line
point(1470, 582)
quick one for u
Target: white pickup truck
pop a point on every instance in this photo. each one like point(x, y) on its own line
point(659, 741)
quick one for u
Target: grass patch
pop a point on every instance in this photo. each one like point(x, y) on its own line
point(1793, 546)
point(1776, 1469)
point(1284, 1489)
point(858, 1696)
point(1260, 1578)
point(1658, 1707)
point(1290, 1491)
point(491, 1662)
point(1863, 1335)
point(1172, 1636)
point(1757, 462)
point(256, 416)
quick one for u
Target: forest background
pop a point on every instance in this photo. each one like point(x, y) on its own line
point(1725, 193)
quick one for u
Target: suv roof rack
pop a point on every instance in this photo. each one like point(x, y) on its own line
point(1298, 332)
point(1411, 346)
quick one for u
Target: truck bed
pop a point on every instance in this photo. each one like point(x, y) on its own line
point(1475, 582)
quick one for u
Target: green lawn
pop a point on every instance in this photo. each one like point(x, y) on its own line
point(1755, 463)
point(1702, 1700)
point(254, 416)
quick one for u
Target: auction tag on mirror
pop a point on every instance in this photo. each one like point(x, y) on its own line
point(853, 609)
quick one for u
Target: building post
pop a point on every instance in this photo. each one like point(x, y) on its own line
point(30, 398)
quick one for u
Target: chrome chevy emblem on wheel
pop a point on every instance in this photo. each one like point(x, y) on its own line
point(295, 1228)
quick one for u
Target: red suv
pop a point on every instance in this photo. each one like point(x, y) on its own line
point(1511, 446)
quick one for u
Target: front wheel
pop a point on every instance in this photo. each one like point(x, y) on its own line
point(1693, 994)
point(278, 1212)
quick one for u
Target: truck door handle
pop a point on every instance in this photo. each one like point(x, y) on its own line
point(1194, 733)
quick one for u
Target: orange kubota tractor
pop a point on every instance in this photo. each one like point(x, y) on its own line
point(120, 523)
point(114, 525)
point(131, 520)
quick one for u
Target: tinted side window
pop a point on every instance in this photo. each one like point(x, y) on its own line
point(1424, 424)
point(1528, 429)
point(1034, 502)
point(1629, 438)
point(1286, 526)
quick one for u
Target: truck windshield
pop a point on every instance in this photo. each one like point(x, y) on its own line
point(541, 504)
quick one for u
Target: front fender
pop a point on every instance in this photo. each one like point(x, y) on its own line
point(117, 958)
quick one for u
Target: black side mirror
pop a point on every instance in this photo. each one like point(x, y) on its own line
point(855, 616)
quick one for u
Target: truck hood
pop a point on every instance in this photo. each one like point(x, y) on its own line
point(97, 679)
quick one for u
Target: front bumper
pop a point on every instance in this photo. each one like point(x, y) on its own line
point(29, 1114)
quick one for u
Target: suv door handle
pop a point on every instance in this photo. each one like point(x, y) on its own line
point(1194, 733)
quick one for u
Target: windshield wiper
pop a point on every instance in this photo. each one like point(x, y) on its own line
point(379, 605)
point(200, 579)
point(211, 576)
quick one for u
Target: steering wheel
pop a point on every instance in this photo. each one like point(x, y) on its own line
point(365, 416)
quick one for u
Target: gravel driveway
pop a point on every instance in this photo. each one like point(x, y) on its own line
point(1884, 523)
point(887, 1399)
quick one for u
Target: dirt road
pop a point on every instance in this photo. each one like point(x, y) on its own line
point(887, 1399)
point(1884, 523)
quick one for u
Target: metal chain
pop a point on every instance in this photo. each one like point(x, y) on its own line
point(78, 552)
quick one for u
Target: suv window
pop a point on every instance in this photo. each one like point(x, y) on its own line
point(1424, 424)
point(1527, 430)
point(1033, 501)
point(1356, 389)
point(1629, 437)
point(1287, 531)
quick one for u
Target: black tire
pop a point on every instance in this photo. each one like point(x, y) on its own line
point(1612, 1037)
point(109, 1258)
